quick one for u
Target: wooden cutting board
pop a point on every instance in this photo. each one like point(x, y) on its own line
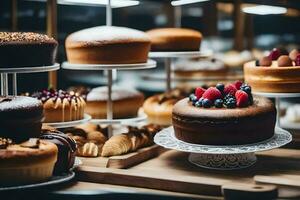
point(171, 171)
point(123, 161)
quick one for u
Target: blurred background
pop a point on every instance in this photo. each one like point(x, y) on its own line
point(237, 31)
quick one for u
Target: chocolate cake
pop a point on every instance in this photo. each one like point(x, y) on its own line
point(26, 49)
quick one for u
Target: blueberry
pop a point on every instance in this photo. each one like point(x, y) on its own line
point(220, 87)
point(257, 63)
point(198, 104)
point(246, 88)
point(206, 103)
point(193, 98)
point(219, 103)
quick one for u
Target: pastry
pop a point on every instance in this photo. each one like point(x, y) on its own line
point(17, 49)
point(126, 102)
point(66, 150)
point(174, 39)
point(158, 108)
point(29, 162)
point(293, 113)
point(89, 149)
point(282, 75)
point(61, 106)
point(20, 117)
point(235, 59)
point(107, 45)
point(224, 115)
point(117, 145)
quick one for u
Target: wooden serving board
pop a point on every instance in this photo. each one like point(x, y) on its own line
point(171, 171)
point(123, 161)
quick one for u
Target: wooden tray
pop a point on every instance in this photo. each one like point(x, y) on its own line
point(124, 161)
point(171, 171)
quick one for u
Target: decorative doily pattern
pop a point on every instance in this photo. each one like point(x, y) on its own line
point(167, 139)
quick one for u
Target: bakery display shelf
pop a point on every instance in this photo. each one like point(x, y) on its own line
point(227, 157)
point(171, 171)
point(148, 65)
point(123, 161)
point(181, 54)
point(55, 180)
point(68, 124)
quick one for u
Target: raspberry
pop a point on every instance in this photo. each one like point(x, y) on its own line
point(297, 61)
point(242, 98)
point(238, 84)
point(230, 89)
point(199, 92)
point(212, 94)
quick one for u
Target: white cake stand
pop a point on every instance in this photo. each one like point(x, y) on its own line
point(168, 58)
point(227, 157)
point(68, 124)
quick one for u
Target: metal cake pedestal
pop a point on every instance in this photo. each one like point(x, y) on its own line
point(227, 157)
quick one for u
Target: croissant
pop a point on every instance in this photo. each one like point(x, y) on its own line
point(89, 150)
point(117, 145)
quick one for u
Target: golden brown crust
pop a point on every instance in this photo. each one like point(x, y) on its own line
point(272, 78)
point(174, 39)
point(15, 155)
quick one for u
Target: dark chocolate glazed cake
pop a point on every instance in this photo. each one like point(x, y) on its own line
point(26, 49)
point(224, 116)
point(20, 117)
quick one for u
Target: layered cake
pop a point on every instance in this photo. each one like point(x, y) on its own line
point(224, 115)
point(126, 102)
point(26, 49)
point(28, 162)
point(61, 106)
point(159, 107)
point(107, 45)
point(174, 39)
point(20, 117)
point(275, 73)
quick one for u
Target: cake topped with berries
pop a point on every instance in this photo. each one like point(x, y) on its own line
point(224, 115)
point(278, 72)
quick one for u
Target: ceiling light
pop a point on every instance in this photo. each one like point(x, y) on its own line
point(183, 2)
point(265, 10)
point(114, 3)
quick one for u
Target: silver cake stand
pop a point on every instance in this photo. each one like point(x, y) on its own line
point(227, 157)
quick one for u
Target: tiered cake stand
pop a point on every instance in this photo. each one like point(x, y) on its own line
point(168, 60)
point(278, 97)
point(222, 157)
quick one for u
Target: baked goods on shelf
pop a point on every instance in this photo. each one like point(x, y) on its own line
point(107, 45)
point(275, 73)
point(61, 106)
point(20, 117)
point(159, 107)
point(236, 59)
point(29, 162)
point(174, 39)
point(126, 102)
point(66, 149)
point(224, 115)
point(17, 49)
point(199, 68)
point(293, 113)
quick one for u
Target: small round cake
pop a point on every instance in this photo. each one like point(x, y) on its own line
point(275, 73)
point(26, 49)
point(29, 162)
point(221, 115)
point(159, 107)
point(126, 102)
point(61, 106)
point(107, 45)
point(66, 150)
point(20, 117)
point(174, 39)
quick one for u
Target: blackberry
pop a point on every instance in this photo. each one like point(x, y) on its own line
point(219, 103)
point(230, 101)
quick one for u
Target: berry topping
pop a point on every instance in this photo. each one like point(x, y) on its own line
point(265, 61)
point(220, 87)
point(230, 89)
point(274, 54)
point(246, 88)
point(238, 84)
point(284, 61)
point(199, 92)
point(198, 104)
point(230, 101)
point(219, 103)
point(242, 99)
point(297, 61)
point(193, 98)
point(293, 54)
point(212, 94)
point(206, 103)
point(257, 63)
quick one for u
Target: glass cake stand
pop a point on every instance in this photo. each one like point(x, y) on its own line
point(227, 157)
point(68, 124)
